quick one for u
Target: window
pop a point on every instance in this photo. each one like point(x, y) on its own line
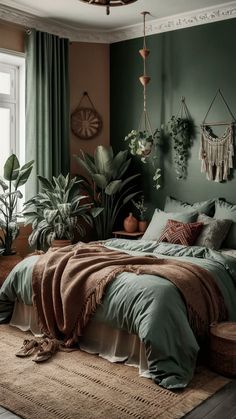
point(12, 108)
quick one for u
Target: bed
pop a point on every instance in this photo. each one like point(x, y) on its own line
point(143, 319)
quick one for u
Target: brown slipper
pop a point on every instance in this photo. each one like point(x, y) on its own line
point(47, 348)
point(28, 348)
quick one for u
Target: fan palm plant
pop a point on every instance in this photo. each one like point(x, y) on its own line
point(13, 178)
point(107, 186)
point(58, 211)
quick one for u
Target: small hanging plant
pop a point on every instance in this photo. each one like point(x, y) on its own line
point(180, 129)
point(142, 144)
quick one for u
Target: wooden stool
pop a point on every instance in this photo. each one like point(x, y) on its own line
point(223, 348)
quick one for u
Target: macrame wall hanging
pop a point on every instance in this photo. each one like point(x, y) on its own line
point(216, 152)
point(86, 123)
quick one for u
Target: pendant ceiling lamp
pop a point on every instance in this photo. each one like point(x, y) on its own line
point(108, 3)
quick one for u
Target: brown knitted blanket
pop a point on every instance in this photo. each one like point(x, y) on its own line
point(69, 283)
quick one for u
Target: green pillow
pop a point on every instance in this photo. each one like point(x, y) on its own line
point(159, 221)
point(225, 210)
point(174, 205)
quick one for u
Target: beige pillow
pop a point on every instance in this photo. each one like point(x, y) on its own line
point(213, 232)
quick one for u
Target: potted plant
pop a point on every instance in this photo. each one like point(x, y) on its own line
point(142, 144)
point(58, 212)
point(107, 185)
point(181, 131)
point(13, 178)
point(141, 209)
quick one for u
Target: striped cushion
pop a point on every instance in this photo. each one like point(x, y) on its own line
point(180, 233)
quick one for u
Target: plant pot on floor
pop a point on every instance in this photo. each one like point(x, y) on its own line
point(7, 263)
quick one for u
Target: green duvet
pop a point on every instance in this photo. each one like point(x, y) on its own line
point(147, 305)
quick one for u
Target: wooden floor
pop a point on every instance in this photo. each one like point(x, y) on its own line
point(220, 406)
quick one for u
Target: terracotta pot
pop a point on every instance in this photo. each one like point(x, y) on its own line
point(144, 80)
point(144, 52)
point(7, 263)
point(61, 243)
point(130, 223)
point(142, 226)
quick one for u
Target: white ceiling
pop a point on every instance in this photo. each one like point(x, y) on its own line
point(81, 15)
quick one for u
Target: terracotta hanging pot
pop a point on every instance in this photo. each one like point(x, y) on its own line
point(142, 225)
point(7, 263)
point(60, 243)
point(130, 224)
point(144, 80)
point(144, 52)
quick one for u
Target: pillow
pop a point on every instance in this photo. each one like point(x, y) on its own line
point(174, 205)
point(159, 220)
point(180, 233)
point(228, 252)
point(213, 232)
point(225, 210)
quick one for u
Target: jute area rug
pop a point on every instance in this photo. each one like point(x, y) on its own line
point(78, 385)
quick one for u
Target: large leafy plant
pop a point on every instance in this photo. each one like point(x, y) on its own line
point(13, 178)
point(58, 211)
point(108, 185)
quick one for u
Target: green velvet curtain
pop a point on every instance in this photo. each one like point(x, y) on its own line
point(47, 106)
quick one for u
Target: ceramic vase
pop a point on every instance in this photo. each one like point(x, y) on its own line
point(130, 224)
point(142, 225)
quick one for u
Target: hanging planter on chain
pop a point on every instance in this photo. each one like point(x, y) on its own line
point(142, 142)
point(180, 128)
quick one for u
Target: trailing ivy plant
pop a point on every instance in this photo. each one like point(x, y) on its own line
point(181, 130)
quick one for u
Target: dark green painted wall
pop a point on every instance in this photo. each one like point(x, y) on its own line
point(193, 63)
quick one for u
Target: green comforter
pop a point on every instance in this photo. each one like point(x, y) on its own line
point(146, 305)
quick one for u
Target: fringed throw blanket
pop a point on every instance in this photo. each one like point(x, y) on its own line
point(217, 154)
point(69, 283)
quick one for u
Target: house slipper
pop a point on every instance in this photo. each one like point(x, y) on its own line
point(28, 348)
point(47, 348)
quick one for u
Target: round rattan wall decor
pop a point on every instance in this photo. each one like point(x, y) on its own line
point(86, 123)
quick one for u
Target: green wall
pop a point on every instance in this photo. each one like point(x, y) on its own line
point(193, 63)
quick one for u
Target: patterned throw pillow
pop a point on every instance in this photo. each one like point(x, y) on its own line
point(213, 232)
point(160, 218)
point(180, 233)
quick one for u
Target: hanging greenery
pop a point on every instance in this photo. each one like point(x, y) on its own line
point(180, 129)
point(143, 145)
point(143, 142)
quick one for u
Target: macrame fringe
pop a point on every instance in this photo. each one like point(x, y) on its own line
point(217, 155)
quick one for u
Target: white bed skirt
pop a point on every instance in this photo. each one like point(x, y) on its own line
point(109, 343)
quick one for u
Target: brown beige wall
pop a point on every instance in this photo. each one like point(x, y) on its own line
point(11, 37)
point(89, 71)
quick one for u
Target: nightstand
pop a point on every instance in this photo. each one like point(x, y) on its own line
point(125, 234)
